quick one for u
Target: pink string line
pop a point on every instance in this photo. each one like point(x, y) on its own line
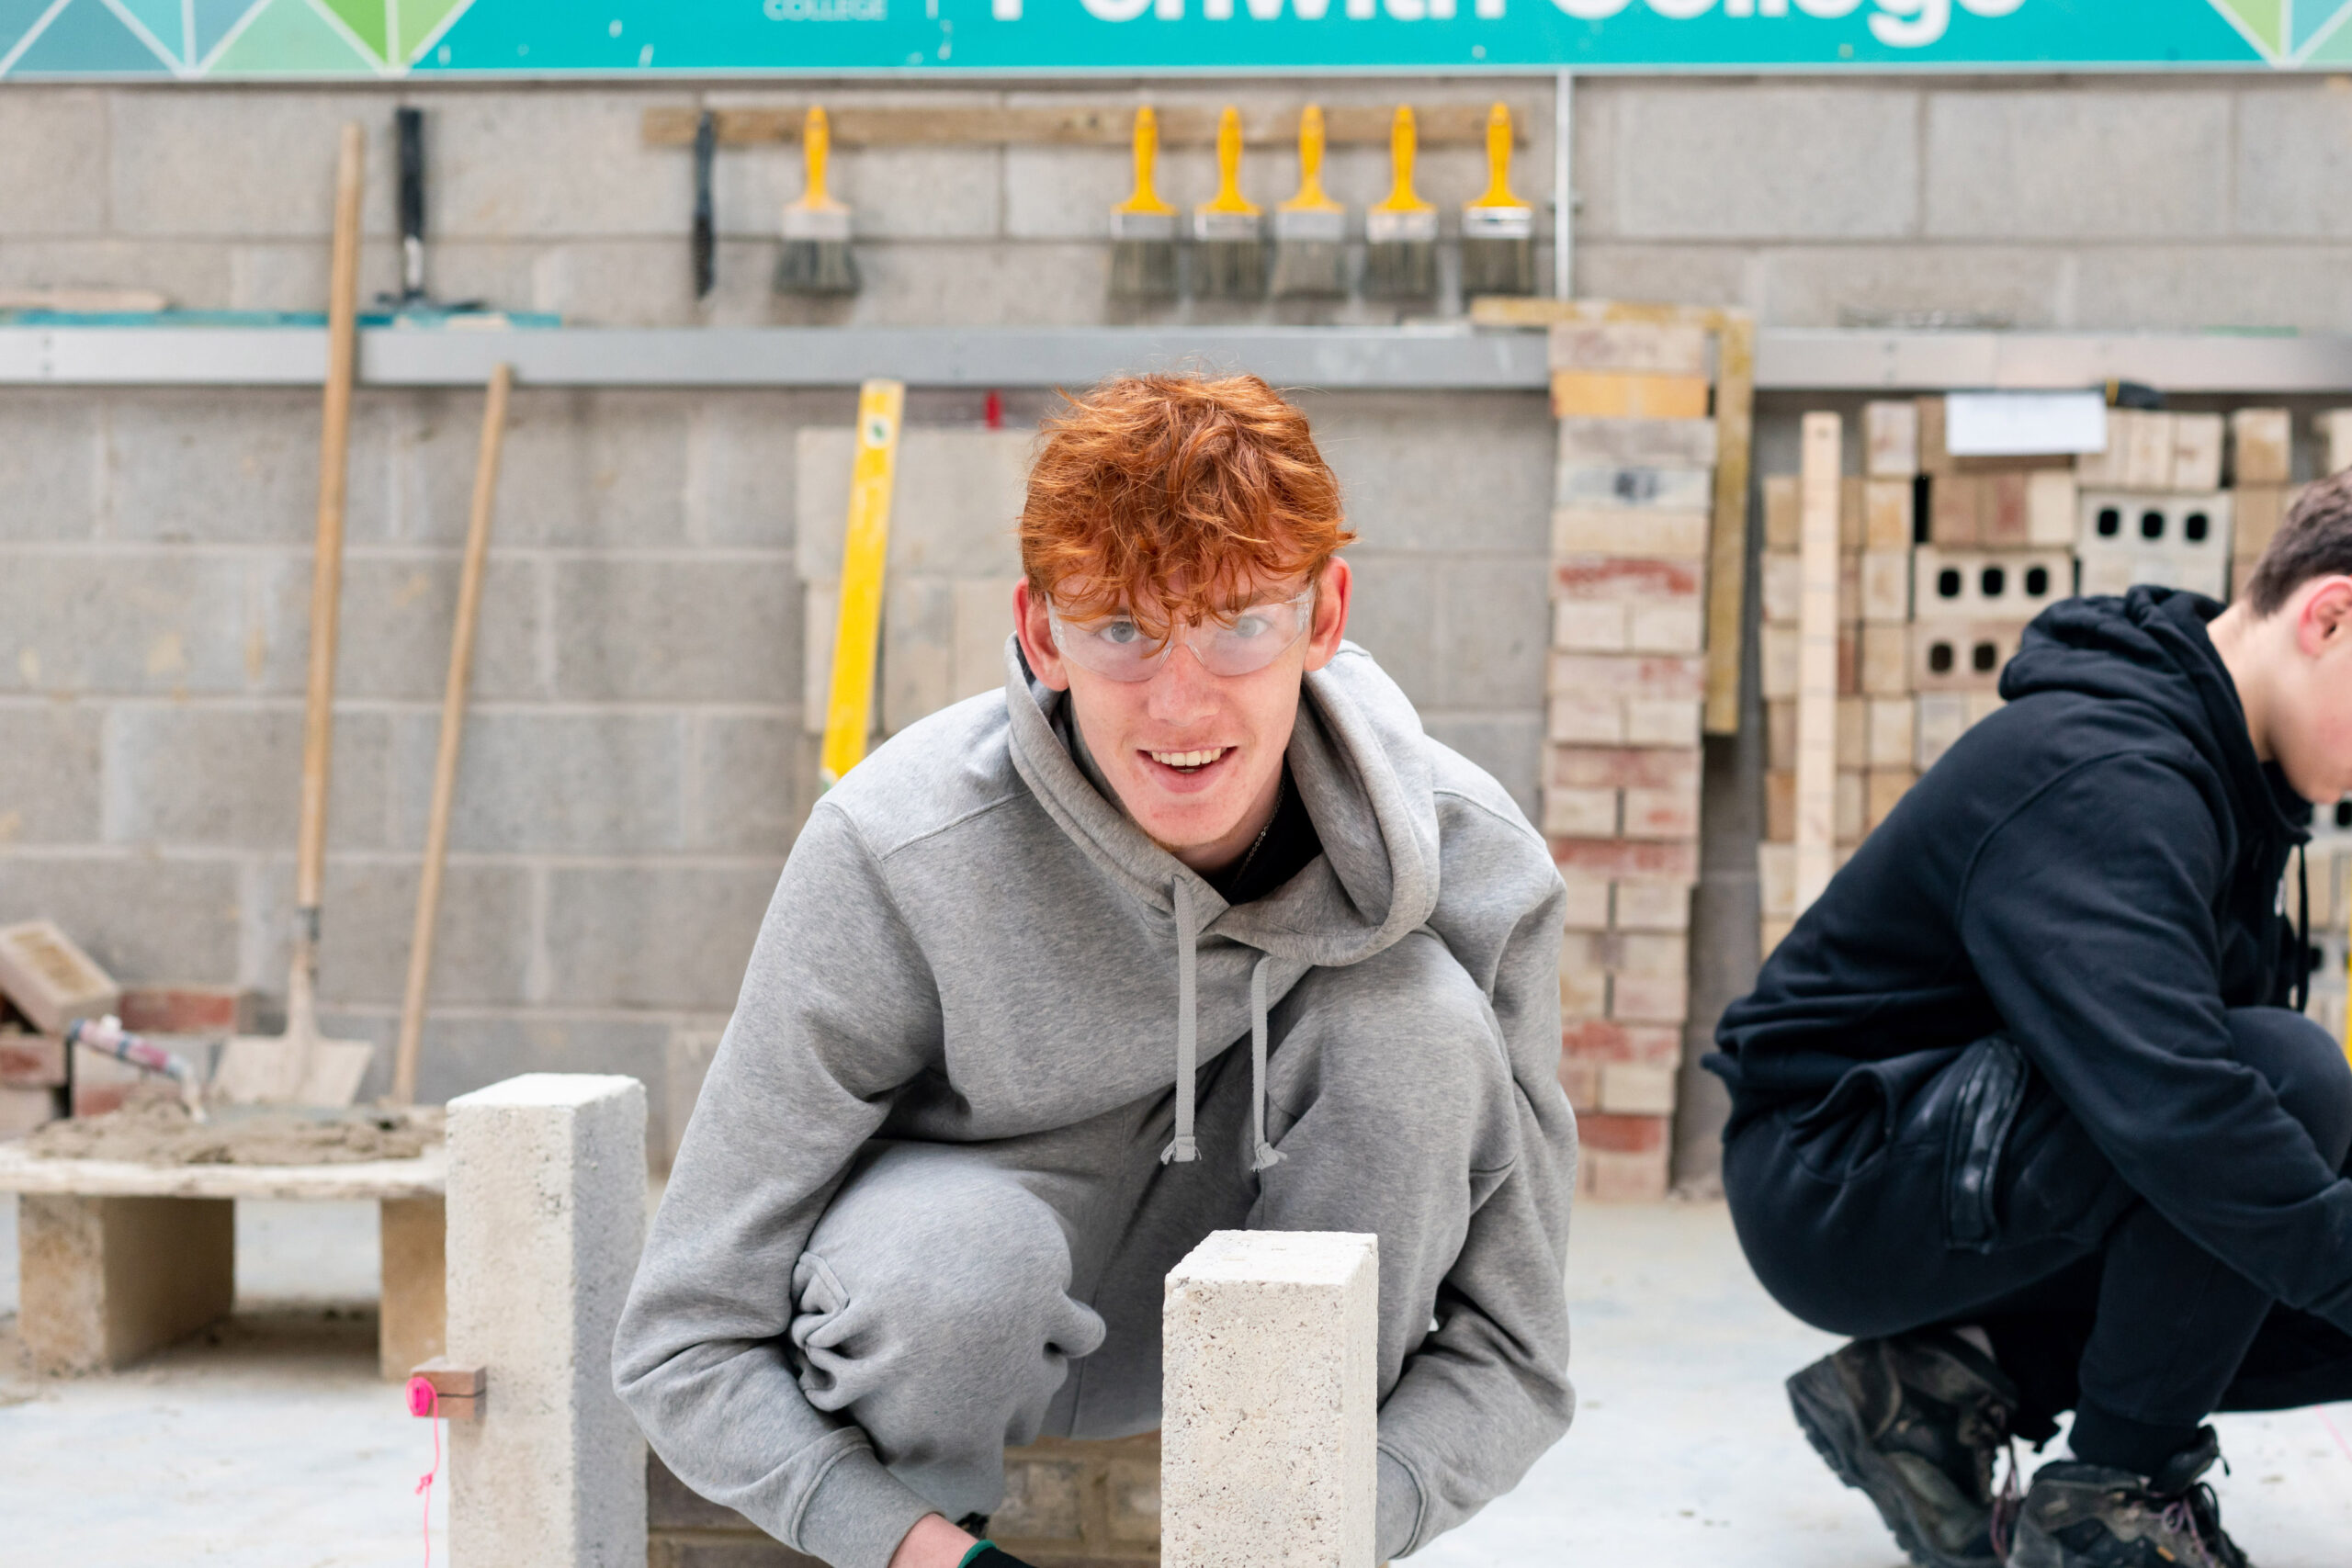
point(2329, 1422)
point(426, 1396)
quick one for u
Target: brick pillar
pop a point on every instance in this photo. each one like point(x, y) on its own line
point(1269, 1384)
point(546, 1219)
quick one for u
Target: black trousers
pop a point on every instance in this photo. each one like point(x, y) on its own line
point(1953, 1188)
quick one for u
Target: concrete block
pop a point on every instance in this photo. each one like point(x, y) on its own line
point(397, 616)
point(1390, 614)
point(1891, 440)
point(602, 783)
point(2180, 540)
point(2289, 144)
point(951, 285)
point(983, 609)
point(1595, 485)
point(48, 980)
point(275, 173)
point(819, 607)
point(1849, 285)
point(49, 465)
point(956, 501)
point(2262, 448)
point(2018, 164)
point(53, 163)
point(594, 468)
point(1987, 585)
point(528, 165)
point(1270, 1393)
point(915, 193)
point(1507, 745)
point(917, 649)
point(2050, 509)
point(2148, 450)
point(1610, 531)
point(546, 1219)
point(138, 916)
point(724, 630)
point(1064, 193)
point(1628, 348)
point(1494, 641)
point(482, 956)
point(1961, 655)
point(464, 1053)
point(251, 764)
point(742, 462)
point(103, 1281)
point(654, 937)
point(413, 1324)
point(184, 623)
point(1471, 472)
point(1703, 162)
point(686, 1065)
point(184, 464)
point(1638, 443)
point(1591, 394)
point(49, 774)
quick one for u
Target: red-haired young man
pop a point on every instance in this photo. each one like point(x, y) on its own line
point(1190, 928)
point(2024, 1101)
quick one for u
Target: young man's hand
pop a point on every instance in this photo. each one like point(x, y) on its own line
point(933, 1543)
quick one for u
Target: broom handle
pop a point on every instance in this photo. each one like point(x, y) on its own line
point(453, 726)
point(326, 570)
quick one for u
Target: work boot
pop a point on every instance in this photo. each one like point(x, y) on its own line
point(2087, 1516)
point(1914, 1422)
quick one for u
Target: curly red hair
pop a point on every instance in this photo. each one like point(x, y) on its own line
point(1177, 498)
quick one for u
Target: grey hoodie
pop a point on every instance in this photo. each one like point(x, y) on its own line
point(913, 979)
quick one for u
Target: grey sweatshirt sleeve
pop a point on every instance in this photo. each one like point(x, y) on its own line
point(838, 1011)
point(1484, 1396)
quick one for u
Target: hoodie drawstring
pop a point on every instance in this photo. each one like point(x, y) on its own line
point(2303, 930)
point(1184, 1148)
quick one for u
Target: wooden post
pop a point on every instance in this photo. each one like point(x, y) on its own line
point(1816, 802)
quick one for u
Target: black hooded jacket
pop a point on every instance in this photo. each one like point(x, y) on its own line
point(2094, 871)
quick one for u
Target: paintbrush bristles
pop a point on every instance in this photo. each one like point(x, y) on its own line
point(816, 257)
point(1310, 254)
point(1400, 254)
point(1229, 255)
point(1143, 255)
point(1498, 251)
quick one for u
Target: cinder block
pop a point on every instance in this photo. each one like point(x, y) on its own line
point(983, 620)
point(918, 672)
point(2182, 541)
point(1578, 394)
point(1853, 514)
point(668, 937)
point(482, 954)
point(2008, 164)
point(49, 774)
point(1493, 656)
point(1610, 531)
point(251, 764)
point(1407, 464)
point(1588, 485)
point(2004, 524)
point(747, 797)
point(594, 468)
point(206, 624)
point(677, 631)
point(1891, 441)
point(1639, 442)
point(602, 783)
point(1636, 1089)
point(1882, 788)
point(1698, 163)
point(956, 499)
point(1885, 660)
point(820, 604)
point(1270, 1385)
point(1943, 719)
point(1985, 585)
point(396, 614)
point(1619, 860)
point(49, 467)
point(1628, 348)
point(52, 163)
point(2197, 451)
point(1579, 813)
point(1888, 512)
point(1891, 733)
point(164, 914)
point(106, 1280)
point(1625, 579)
point(1887, 585)
point(546, 1220)
point(1961, 655)
point(2262, 447)
point(1783, 514)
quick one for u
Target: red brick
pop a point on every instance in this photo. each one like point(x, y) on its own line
point(32, 1061)
point(1623, 1134)
point(1606, 1040)
point(1618, 860)
point(181, 1009)
point(1619, 767)
point(1661, 814)
point(1636, 676)
point(1625, 577)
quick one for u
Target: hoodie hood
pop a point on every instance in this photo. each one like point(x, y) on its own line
point(1360, 761)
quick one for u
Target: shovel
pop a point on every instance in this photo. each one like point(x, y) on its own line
point(298, 1067)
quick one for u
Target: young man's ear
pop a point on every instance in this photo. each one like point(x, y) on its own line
point(1029, 622)
point(1331, 594)
point(2325, 622)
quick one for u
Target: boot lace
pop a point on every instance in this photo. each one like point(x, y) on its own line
point(2006, 1505)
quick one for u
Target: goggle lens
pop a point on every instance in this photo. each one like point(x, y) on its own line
point(1118, 650)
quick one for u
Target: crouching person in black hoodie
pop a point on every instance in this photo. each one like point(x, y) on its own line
point(2021, 1103)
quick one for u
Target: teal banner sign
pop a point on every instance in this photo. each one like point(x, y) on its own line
point(328, 39)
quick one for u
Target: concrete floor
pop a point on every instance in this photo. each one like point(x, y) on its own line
point(276, 1447)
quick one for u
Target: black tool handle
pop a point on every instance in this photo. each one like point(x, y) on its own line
point(705, 236)
point(409, 125)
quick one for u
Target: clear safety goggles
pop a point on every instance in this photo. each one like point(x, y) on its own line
point(1240, 644)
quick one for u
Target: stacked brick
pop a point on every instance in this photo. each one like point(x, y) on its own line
point(2262, 460)
point(1633, 502)
point(2152, 509)
point(2329, 853)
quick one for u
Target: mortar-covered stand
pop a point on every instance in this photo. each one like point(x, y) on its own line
point(117, 1259)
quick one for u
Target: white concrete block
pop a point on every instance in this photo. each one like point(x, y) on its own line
point(546, 1217)
point(1269, 1395)
point(956, 499)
